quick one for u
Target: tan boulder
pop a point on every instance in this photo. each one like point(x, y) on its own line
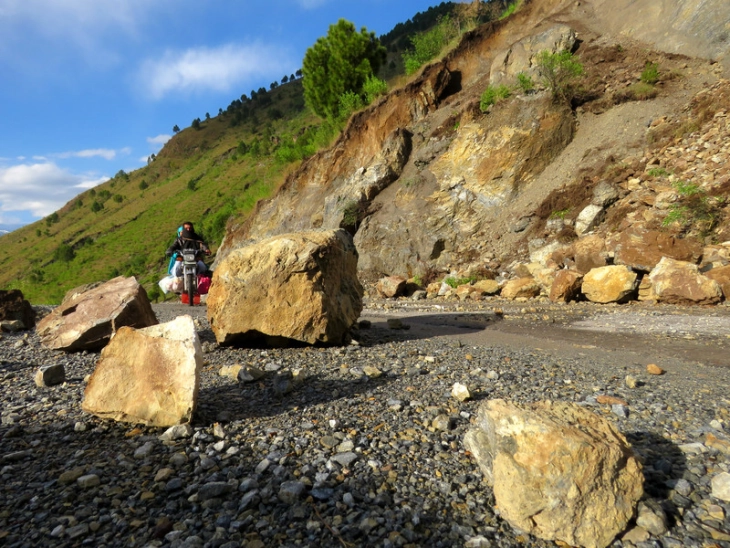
point(680, 282)
point(149, 376)
point(391, 286)
point(715, 256)
point(86, 320)
point(545, 277)
point(566, 286)
point(589, 252)
point(609, 284)
point(301, 286)
point(722, 276)
point(521, 287)
point(432, 290)
point(464, 292)
point(486, 287)
point(558, 471)
point(590, 217)
point(642, 249)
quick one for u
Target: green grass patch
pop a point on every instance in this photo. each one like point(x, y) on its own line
point(493, 95)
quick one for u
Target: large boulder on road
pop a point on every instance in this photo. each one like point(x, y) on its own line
point(610, 284)
point(294, 287)
point(148, 376)
point(86, 320)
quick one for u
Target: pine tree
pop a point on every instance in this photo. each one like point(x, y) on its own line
point(339, 63)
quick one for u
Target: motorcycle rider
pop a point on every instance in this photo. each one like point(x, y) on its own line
point(189, 239)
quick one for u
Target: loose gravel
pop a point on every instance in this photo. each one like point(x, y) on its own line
point(353, 446)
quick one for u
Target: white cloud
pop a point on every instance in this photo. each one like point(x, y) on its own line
point(217, 69)
point(159, 140)
point(105, 153)
point(40, 188)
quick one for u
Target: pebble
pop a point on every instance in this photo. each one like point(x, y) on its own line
point(460, 392)
point(721, 487)
point(338, 460)
point(654, 369)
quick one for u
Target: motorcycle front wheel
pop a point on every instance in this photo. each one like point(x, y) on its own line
point(190, 283)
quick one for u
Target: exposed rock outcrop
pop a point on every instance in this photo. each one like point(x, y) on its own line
point(521, 56)
point(558, 471)
point(148, 376)
point(86, 320)
point(294, 287)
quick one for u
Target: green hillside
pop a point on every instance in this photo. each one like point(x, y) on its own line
point(219, 167)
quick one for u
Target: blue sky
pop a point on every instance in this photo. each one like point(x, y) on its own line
point(89, 87)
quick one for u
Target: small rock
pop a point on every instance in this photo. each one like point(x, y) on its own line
point(345, 459)
point(291, 491)
point(620, 411)
point(652, 518)
point(721, 486)
point(372, 372)
point(610, 400)
point(249, 373)
point(636, 535)
point(397, 323)
point(212, 490)
point(163, 474)
point(144, 451)
point(50, 375)
point(90, 480)
point(70, 476)
point(441, 423)
point(460, 392)
point(218, 431)
point(631, 381)
point(654, 369)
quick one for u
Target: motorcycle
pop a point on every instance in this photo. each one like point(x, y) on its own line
point(190, 274)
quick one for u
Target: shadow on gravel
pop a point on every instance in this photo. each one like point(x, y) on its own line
point(423, 327)
point(261, 399)
point(663, 465)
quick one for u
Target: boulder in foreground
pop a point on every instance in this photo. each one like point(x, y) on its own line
point(299, 287)
point(148, 376)
point(86, 320)
point(559, 471)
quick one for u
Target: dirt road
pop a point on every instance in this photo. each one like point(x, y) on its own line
point(635, 335)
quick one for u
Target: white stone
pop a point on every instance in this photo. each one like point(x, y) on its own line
point(721, 486)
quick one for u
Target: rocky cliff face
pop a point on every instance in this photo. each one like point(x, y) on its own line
point(427, 182)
